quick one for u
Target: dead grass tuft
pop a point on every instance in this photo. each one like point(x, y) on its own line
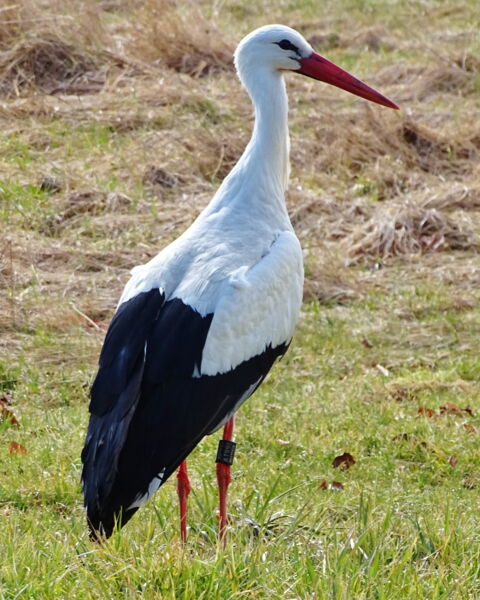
point(393, 152)
point(454, 75)
point(49, 64)
point(409, 228)
point(163, 33)
point(51, 46)
point(457, 196)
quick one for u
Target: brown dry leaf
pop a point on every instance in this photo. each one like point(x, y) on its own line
point(7, 414)
point(336, 486)
point(16, 448)
point(427, 412)
point(344, 461)
point(323, 484)
point(470, 428)
point(367, 343)
point(452, 461)
point(6, 399)
point(452, 409)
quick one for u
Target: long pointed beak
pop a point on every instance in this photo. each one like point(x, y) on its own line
point(322, 69)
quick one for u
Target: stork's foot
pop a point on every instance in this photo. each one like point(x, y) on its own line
point(225, 455)
point(183, 490)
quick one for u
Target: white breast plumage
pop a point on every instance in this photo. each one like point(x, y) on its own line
point(257, 307)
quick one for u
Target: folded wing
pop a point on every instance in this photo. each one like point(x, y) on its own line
point(156, 395)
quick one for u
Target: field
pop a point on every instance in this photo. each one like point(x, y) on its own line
point(119, 118)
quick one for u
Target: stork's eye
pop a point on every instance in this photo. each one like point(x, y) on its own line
point(287, 45)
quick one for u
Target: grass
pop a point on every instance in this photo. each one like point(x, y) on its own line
point(404, 525)
point(114, 139)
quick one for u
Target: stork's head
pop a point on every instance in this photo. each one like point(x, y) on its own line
point(280, 48)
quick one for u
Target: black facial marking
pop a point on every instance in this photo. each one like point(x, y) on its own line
point(287, 45)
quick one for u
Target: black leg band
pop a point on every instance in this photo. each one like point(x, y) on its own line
point(225, 452)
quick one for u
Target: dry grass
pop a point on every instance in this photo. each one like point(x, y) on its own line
point(410, 228)
point(45, 47)
point(157, 102)
point(395, 151)
point(163, 34)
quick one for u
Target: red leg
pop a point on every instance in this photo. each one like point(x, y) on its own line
point(183, 489)
point(225, 454)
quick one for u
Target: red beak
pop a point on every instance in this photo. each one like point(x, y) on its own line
point(322, 69)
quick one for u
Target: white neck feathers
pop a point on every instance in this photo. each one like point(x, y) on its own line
point(257, 183)
point(269, 145)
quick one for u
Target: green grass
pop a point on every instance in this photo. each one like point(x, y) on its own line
point(405, 525)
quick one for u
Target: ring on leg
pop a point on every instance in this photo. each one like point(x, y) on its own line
point(224, 459)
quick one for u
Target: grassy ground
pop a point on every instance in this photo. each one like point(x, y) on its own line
point(119, 119)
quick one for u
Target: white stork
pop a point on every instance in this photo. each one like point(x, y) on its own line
point(199, 326)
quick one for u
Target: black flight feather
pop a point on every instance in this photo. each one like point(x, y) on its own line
point(148, 410)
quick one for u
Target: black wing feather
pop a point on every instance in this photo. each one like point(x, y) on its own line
point(148, 411)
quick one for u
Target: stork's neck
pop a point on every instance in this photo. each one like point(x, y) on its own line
point(267, 153)
point(254, 191)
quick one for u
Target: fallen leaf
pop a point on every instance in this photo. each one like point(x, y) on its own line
point(452, 461)
point(6, 399)
point(450, 408)
point(344, 461)
point(470, 428)
point(323, 484)
point(367, 343)
point(427, 412)
point(6, 414)
point(336, 486)
point(16, 448)
point(453, 409)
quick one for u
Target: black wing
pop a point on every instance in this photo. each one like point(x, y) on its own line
point(148, 411)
